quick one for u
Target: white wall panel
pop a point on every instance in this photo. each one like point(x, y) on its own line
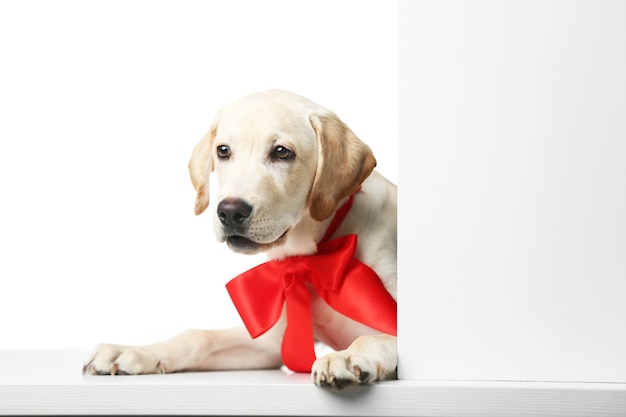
point(513, 190)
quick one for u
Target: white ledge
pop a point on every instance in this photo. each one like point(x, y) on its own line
point(50, 382)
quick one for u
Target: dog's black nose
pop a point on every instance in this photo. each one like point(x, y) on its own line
point(233, 211)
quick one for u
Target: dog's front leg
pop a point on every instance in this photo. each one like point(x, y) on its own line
point(193, 350)
point(368, 359)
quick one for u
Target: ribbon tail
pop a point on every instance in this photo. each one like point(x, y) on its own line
point(297, 351)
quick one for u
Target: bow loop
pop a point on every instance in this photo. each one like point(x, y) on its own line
point(260, 299)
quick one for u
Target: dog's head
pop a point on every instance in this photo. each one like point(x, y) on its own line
point(278, 157)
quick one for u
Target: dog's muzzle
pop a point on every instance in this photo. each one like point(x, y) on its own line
point(235, 216)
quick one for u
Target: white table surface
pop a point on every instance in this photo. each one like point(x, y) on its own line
point(51, 382)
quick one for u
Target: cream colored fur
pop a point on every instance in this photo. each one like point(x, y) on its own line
point(293, 201)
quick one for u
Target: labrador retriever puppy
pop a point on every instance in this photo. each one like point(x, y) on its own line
point(284, 165)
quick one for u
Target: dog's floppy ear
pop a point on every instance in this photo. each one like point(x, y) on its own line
point(200, 167)
point(344, 162)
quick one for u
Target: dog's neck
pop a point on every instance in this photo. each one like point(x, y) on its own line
point(303, 238)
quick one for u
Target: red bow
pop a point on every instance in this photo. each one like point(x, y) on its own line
point(345, 283)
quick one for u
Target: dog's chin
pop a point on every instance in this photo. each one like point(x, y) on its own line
point(241, 244)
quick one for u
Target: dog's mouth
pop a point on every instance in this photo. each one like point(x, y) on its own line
point(242, 244)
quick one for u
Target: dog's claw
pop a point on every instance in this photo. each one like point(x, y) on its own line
point(362, 375)
point(161, 366)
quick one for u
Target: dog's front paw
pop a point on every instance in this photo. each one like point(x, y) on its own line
point(109, 359)
point(367, 360)
point(338, 370)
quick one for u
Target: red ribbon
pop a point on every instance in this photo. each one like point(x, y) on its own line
point(345, 283)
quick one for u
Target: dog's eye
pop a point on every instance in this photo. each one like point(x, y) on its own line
point(280, 152)
point(223, 152)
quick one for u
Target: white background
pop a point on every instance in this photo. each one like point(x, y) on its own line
point(101, 104)
point(517, 232)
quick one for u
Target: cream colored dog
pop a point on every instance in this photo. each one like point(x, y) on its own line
point(284, 165)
